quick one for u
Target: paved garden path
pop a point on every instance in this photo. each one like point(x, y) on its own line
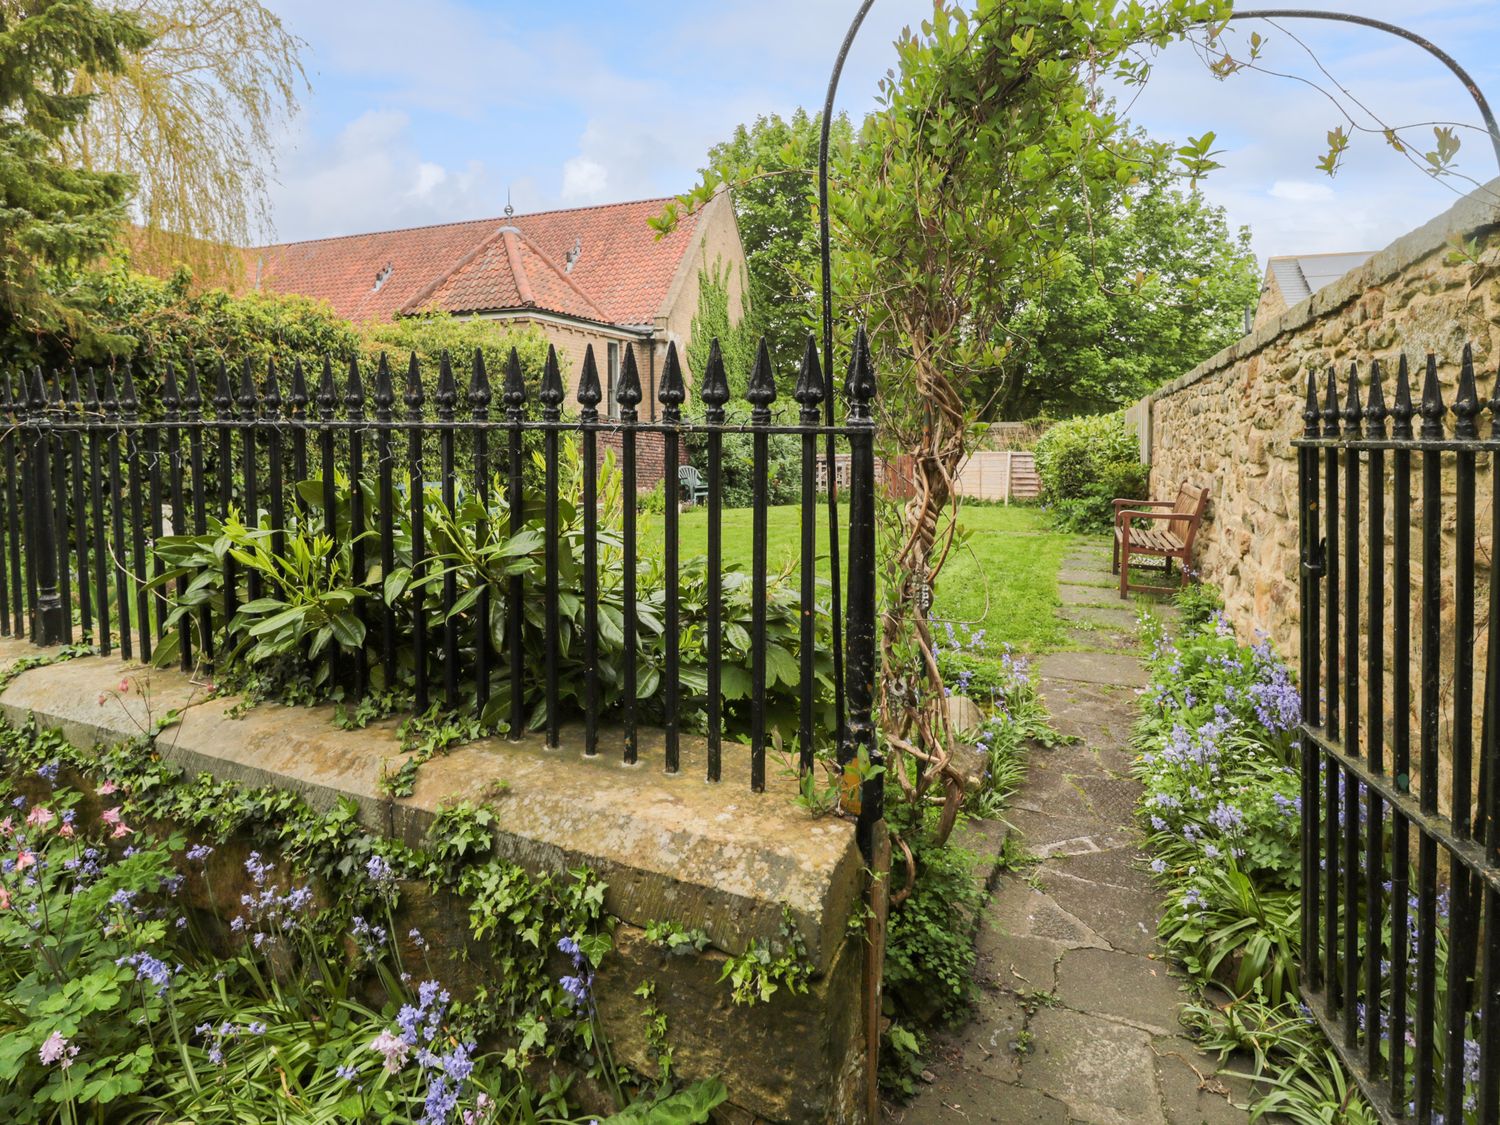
point(1077, 1015)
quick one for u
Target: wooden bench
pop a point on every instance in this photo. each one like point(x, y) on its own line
point(1173, 527)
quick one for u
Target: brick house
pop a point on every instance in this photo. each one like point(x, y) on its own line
point(589, 275)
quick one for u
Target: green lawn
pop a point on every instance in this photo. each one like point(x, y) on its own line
point(1002, 578)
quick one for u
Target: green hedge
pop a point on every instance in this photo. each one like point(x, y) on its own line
point(1085, 463)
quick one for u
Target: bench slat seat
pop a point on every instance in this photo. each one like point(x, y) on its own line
point(1164, 529)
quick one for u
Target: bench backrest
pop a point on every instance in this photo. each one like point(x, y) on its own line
point(1191, 501)
point(688, 476)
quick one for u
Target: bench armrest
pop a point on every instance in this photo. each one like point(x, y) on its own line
point(1142, 503)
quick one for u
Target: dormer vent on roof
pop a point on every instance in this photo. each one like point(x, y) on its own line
point(573, 254)
point(382, 277)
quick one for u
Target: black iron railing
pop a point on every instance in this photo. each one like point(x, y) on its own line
point(1401, 960)
point(436, 549)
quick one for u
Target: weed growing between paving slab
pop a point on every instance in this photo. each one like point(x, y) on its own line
point(304, 1004)
point(1222, 804)
point(930, 939)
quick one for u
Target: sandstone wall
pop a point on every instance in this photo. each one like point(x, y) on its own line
point(1229, 422)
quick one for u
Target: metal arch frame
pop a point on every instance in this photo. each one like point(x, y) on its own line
point(1394, 29)
point(1258, 13)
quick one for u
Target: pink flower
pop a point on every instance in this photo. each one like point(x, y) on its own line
point(4, 899)
point(393, 1048)
point(66, 831)
point(124, 686)
point(121, 829)
point(107, 788)
point(39, 817)
point(24, 859)
point(55, 1048)
point(6, 828)
point(103, 698)
point(110, 816)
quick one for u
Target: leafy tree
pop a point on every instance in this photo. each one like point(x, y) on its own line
point(1152, 284)
point(194, 114)
point(52, 216)
point(952, 212)
point(773, 165)
point(154, 321)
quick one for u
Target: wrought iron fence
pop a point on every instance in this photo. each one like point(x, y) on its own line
point(1401, 960)
point(103, 513)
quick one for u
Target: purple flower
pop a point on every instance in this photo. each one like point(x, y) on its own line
point(199, 852)
point(149, 968)
point(577, 988)
point(380, 872)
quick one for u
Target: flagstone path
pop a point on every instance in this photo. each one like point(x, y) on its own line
point(1077, 1015)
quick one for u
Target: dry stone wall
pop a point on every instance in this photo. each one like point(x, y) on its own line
point(1229, 422)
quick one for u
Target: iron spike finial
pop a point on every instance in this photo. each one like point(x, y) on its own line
point(298, 399)
point(1375, 411)
point(247, 398)
point(761, 391)
point(271, 392)
point(1353, 413)
point(171, 397)
point(479, 387)
point(860, 385)
point(129, 403)
point(54, 389)
point(1466, 405)
point(446, 395)
point(192, 395)
point(354, 390)
point(223, 397)
point(71, 393)
point(1331, 404)
point(1402, 411)
point(551, 392)
point(809, 389)
point(1311, 415)
point(414, 397)
point(629, 393)
point(327, 393)
point(1432, 408)
point(715, 389)
point(590, 392)
point(673, 390)
point(514, 390)
point(38, 390)
point(385, 389)
point(110, 398)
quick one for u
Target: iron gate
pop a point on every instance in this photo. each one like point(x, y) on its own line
point(1400, 959)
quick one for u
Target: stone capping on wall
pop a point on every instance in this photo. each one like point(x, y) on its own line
point(671, 848)
point(1474, 212)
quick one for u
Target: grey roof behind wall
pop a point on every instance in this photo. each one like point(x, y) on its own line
point(1301, 275)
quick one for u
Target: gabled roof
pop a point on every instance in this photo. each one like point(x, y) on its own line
point(601, 264)
point(1299, 276)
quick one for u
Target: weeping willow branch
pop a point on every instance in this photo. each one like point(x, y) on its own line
point(194, 116)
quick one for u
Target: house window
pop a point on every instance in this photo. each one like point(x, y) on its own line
point(612, 387)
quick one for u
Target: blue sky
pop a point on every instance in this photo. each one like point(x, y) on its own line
point(431, 111)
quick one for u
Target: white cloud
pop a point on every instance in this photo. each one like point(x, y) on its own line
point(584, 180)
point(371, 176)
point(1300, 191)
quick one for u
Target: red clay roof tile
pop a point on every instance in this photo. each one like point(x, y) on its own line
point(620, 276)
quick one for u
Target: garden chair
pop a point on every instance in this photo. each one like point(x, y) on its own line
point(692, 485)
point(1178, 521)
